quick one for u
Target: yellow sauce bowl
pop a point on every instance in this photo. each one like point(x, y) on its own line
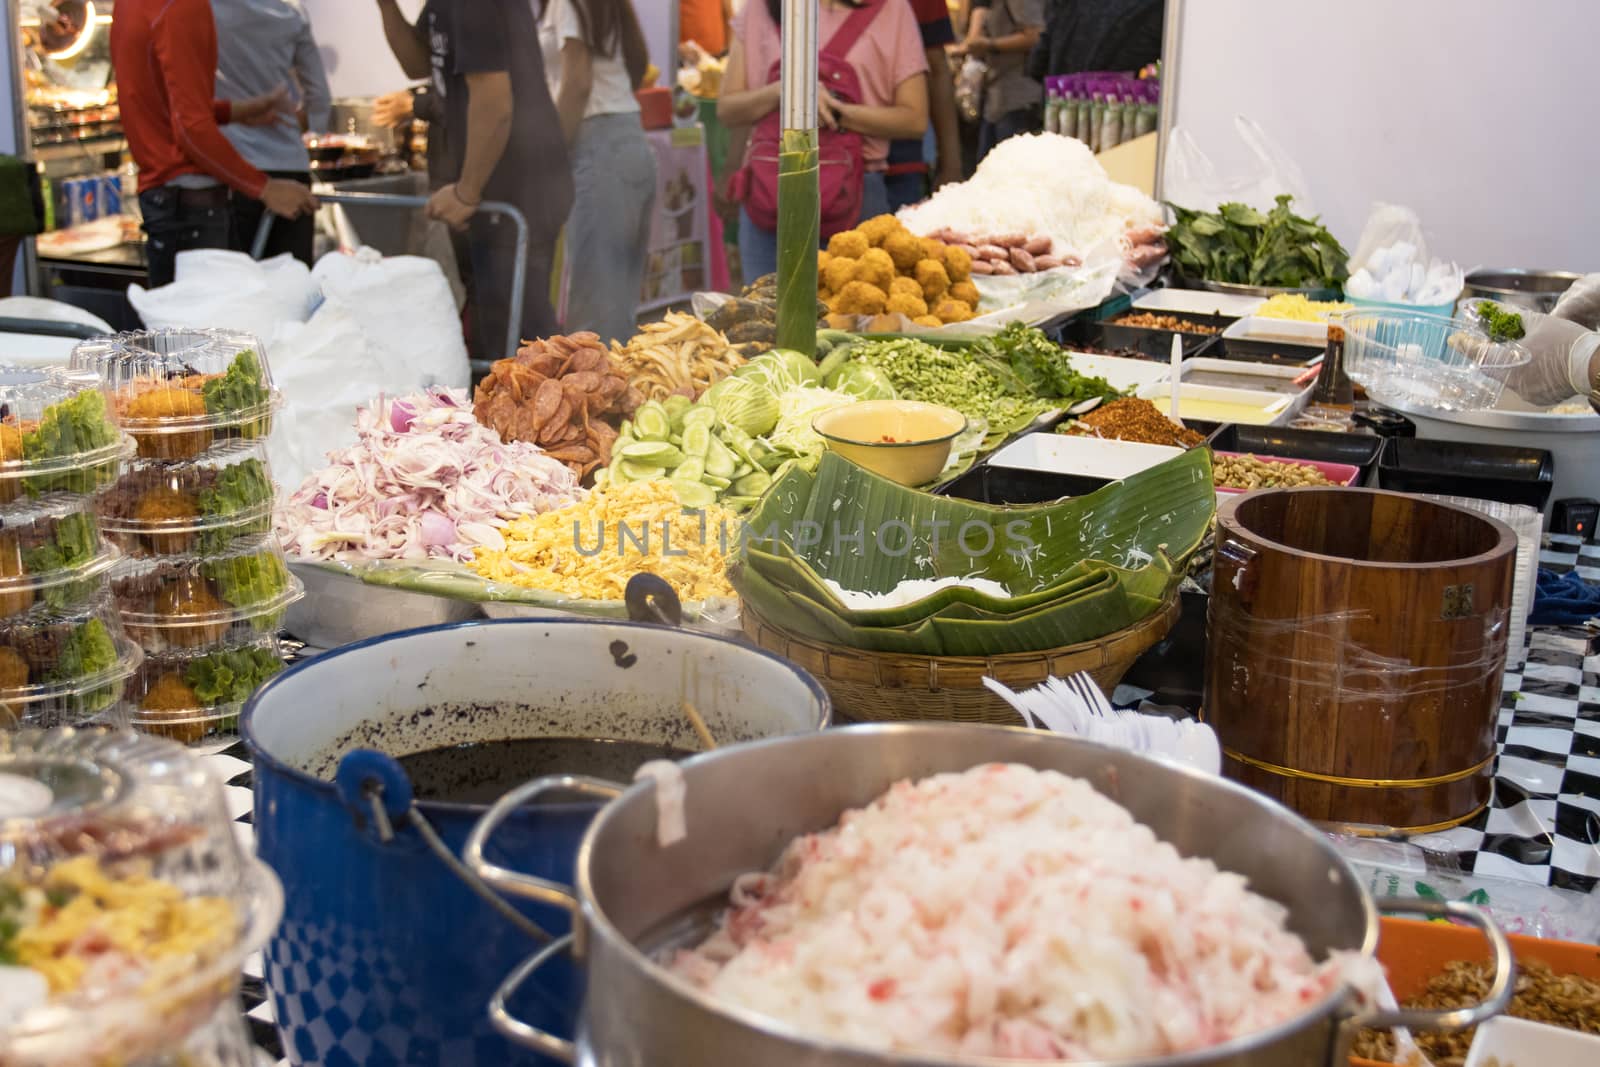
point(906, 441)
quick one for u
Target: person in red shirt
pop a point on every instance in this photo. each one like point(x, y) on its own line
point(165, 56)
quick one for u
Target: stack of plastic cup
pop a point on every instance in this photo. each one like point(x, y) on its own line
point(202, 586)
point(64, 659)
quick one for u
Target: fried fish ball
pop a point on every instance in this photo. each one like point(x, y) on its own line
point(909, 306)
point(840, 321)
point(928, 320)
point(162, 506)
point(904, 249)
point(162, 403)
point(933, 248)
point(965, 292)
point(849, 245)
point(883, 324)
point(170, 697)
point(933, 279)
point(905, 286)
point(953, 311)
point(824, 257)
point(878, 228)
point(957, 264)
point(876, 269)
point(840, 272)
point(860, 298)
point(13, 668)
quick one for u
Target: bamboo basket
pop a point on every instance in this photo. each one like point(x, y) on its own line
point(881, 686)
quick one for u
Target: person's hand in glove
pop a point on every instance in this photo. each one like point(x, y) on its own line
point(1564, 346)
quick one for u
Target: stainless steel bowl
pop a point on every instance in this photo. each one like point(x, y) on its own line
point(1536, 290)
point(744, 803)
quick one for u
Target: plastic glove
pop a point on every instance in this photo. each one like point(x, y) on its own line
point(1564, 348)
point(1581, 303)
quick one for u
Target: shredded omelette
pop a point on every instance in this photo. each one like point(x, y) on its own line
point(80, 914)
point(589, 550)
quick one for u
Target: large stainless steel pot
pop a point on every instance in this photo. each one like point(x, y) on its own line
point(1537, 290)
point(743, 804)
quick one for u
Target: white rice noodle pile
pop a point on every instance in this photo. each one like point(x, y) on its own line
point(1039, 184)
point(1007, 912)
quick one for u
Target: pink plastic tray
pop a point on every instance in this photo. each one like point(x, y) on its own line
point(1338, 473)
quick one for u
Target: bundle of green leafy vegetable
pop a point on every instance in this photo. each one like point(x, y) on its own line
point(230, 676)
point(86, 651)
point(76, 426)
point(73, 542)
point(1006, 380)
point(1239, 245)
point(237, 490)
point(242, 388)
point(245, 581)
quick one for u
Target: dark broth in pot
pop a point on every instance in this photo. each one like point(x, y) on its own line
point(483, 772)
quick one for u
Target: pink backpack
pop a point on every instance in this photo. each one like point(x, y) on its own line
point(841, 170)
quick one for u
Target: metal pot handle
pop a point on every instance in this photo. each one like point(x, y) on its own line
point(376, 791)
point(1493, 1003)
point(514, 1029)
point(516, 883)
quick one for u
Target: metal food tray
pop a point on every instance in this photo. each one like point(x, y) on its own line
point(339, 608)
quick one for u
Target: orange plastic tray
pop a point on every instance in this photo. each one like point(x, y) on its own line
point(1414, 951)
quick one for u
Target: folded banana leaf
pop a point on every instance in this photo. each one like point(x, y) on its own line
point(869, 534)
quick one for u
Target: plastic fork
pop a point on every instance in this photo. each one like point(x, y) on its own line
point(1089, 691)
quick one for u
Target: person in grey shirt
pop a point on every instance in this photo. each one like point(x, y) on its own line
point(1002, 33)
point(261, 45)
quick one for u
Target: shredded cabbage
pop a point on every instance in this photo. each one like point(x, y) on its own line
point(796, 409)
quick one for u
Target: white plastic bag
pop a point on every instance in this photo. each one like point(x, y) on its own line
point(1391, 262)
point(214, 289)
point(1190, 179)
point(406, 310)
point(325, 369)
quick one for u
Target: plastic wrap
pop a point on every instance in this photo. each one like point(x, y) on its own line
point(189, 602)
point(127, 835)
point(1392, 868)
point(178, 392)
point(52, 555)
point(57, 440)
point(188, 694)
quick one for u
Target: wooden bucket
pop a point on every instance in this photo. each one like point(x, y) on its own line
point(1357, 643)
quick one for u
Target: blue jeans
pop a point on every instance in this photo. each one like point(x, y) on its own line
point(758, 248)
point(608, 232)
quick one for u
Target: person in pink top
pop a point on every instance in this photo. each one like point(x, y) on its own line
point(888, 59)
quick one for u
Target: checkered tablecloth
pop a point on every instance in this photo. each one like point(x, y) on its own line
point(1543, 826)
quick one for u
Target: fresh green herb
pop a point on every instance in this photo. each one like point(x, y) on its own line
point(1042, 365)
point(1239, 245)
point(242, 388)
point(247, 580)
point(88, 650)
point(58, 898)
point(73, 542)
point(1501, 324)
point(70, 428)
point(242, 487)
point(230, 677)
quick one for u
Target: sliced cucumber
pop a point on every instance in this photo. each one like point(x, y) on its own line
point(694, 494)
point(700, 415)
point(753, 484)
point(650, 422)
point(630, 471)
point(719, 460)
point(676, 406)
point(653, 453)
point(696, 440)
point(692, 469)
point(715, 482)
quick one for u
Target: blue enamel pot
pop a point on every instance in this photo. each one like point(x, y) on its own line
point(389, 950)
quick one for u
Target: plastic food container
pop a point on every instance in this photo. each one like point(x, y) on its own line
point(1274, 340)
point(57, 439)
point(65, 667)
point(54, 555)
point(191, 602)
point(1287, 442)
point(126, 834)
point(1465, 468)
point(188, 694)
point(1216, 404)
point(1429, 360)
point(1336, 473)
point(201, 506)
point(179, 392)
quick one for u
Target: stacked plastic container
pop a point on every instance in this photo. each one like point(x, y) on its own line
point(64, 659)
point(202, 585)
point(126, 837)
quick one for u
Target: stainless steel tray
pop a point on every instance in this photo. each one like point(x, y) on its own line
point(338, 609)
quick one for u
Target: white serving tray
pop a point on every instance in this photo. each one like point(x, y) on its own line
point(1120, 371)
point(1512, 1042)
point(1279, 331)
point(1278, 408)
point(1088, 457)
point(1277, 374)
point(1198, 302)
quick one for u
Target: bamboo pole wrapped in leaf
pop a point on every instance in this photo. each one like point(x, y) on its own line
point(799, 213)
